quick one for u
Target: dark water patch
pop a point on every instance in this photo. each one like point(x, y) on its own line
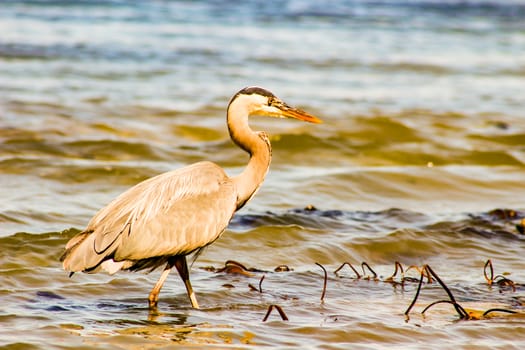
point(291, 143)
point(36, 51)
point(34, 146)
point(503, 214)
point(381, 237)
point(470, 235)
point(204, 110)
point(25, 240)
point(486, 225)
point(403, 244)
point(21, 51)
point(512, 139)
point(334, 219)
point(85, 52)
point(22, 252)
point(491, 9)
point(410, 13)
point(513, 71)
point(7, 217)
point(114, 75)
point(199, 133)
point(413, 67)
point(334, 64)
point(371, 132)
point(489, 158)
point(419, 137)
point(73, 51)
point(115, 10)
point(57, 111)
point(52, 304)
point(98, 11)
point(21, 346)
point(56, 308)
point(15, 134)
point(48, 295)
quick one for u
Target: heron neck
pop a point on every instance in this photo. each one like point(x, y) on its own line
point(258, 147)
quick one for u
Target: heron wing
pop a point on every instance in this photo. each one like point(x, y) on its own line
point(170, 214)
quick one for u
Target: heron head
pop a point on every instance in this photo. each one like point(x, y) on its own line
point(262, 102)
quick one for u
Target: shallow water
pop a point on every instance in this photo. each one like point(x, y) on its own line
point(422, 141)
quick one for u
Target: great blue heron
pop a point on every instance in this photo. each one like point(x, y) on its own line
point(161, 220)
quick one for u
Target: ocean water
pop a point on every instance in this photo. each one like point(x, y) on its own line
point(420, 160)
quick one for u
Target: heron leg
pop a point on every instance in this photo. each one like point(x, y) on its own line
point(182, 267)
point(154, 294)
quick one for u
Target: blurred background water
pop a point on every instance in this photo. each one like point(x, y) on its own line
point(423, 138)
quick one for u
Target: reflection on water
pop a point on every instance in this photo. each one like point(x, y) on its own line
point(423, 138)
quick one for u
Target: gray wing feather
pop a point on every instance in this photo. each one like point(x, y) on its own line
point(170, 214)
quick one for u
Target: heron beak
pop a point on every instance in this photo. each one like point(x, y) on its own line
point(291, 112)
point(280, 109)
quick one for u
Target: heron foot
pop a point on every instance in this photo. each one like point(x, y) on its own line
point(153, 300)
point(193, 300)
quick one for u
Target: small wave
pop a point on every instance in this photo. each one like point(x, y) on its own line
point(494, 223)
point(311, 217)
point(110, 150)
point(89, 51)
point(402, 9)
point(497, 222)
point(5, 217)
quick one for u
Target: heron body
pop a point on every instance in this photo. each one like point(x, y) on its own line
point(167, 217)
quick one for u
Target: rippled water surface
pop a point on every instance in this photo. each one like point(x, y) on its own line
point(420, 160)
